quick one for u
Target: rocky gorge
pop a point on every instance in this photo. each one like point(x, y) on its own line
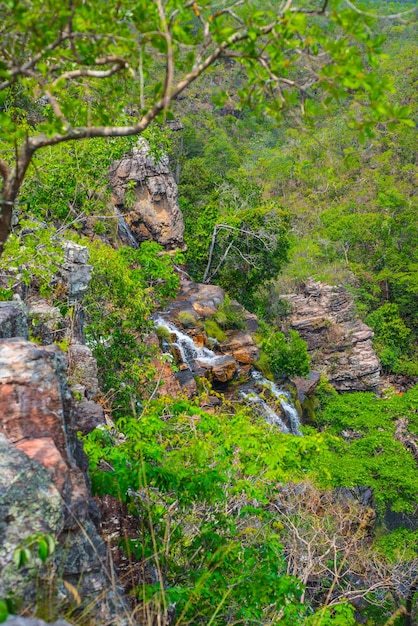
point(46, 396)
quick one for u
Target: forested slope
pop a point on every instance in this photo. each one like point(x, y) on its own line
point(226, 519)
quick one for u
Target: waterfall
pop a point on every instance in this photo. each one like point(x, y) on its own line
point(189, 351)
point(270, 416)
point(284, 398)
point(124, 231)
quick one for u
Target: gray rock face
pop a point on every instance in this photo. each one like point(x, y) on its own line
point(155, 213)
point(82, 370)
point(44, 486)
point(339, 344)
point(47, 323)
point(13, 320)
point(76, 271)
point(29, 503)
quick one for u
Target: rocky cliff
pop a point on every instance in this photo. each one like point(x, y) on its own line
point(145, 193)
point(339, 343)
point(44, 483)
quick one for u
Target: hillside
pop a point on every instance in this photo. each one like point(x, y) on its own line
point(209, 334)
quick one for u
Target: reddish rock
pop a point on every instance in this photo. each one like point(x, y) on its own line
point(44, 451)
point(241, 346)
point(32, 398)
point(223, 368)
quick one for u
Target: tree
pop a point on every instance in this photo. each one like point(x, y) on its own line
point(82, 70)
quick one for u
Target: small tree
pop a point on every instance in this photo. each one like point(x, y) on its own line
point(77, 70)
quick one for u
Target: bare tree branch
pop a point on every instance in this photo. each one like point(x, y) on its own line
point(393, 16)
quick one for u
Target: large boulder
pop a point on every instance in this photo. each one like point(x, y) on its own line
point(154, 213)
point(338, 342)
point(44, 485)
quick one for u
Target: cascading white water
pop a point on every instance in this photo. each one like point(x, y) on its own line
point(270, 415)
point(189, 351)
point(284, 399)
point(125, 232)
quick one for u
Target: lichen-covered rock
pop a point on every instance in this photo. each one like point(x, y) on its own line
point(13, 320)
point(155, 213)
point(42, 465)
point(46, 322)
point(82, 369)
point(338, 342)
point(29, 503)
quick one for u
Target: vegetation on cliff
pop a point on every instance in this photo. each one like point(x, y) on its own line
point(236, 521)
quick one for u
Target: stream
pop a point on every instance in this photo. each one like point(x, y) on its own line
point(252, 391)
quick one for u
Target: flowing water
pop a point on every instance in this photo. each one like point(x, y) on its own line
point(124, 231)
point(283, 397)
point(189, 351)
point(251, 391)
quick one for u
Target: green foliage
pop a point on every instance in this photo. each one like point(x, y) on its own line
point(205, 487)
point(34, 549)
point(392, 337)
point(370, 455)
point(127, 285)
point(288, 356)
point(229, 315)
point(70, 183)
point(213, 330)
point(401, 545)
point(178, 467)
point(39, 545)
point(32, 257)
point(187, 319)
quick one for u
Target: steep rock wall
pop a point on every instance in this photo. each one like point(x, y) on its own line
point(154, 213)
point(339, 343)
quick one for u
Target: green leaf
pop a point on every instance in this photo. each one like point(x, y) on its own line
point(4, 611)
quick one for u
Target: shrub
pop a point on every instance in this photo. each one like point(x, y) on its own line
point(213, 330)
point(288, 356)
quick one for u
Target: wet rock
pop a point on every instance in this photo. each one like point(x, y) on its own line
point(338, 342)
point(13, 320)
point(155, 213)
point(222, 369)
point(187, 382)
point(241, 346)
point(306, 386)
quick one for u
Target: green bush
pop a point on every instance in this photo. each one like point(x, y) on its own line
point(288, 356)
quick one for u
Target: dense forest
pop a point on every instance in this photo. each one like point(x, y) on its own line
point(238, 521)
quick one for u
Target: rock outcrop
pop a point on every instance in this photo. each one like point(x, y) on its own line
point(154, 212)
point(338, 342)
point(195, 351)
point(44, 486)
